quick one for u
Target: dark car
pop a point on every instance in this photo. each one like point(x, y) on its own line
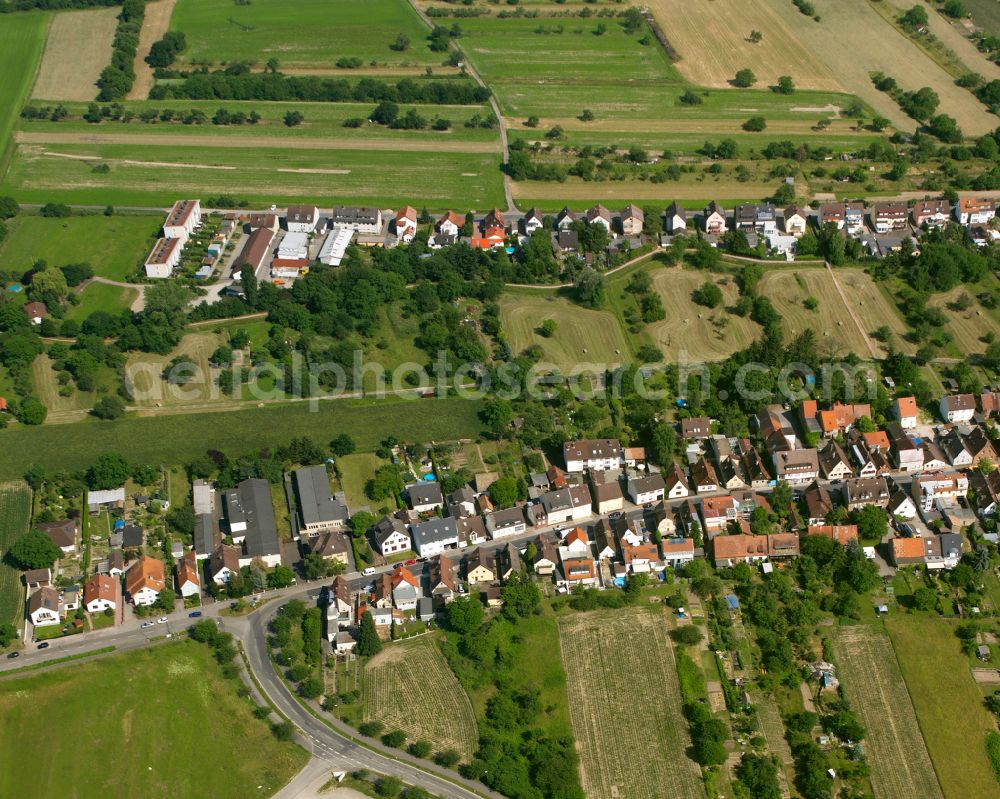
point(43, 645)
point(13, 655)
point(194, 614)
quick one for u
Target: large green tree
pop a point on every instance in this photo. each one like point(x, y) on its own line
point(34, 550)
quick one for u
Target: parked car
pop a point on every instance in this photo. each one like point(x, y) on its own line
point(146, 625)
point(162, 620)
point(368, 571)
point(410, 562)
point(13, 655)
point(194, 614)
point(43, 645)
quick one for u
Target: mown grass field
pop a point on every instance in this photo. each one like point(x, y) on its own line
point(22, 37)
point(900, 765)
point(46, 385)
point(873, 308)
point(948, 703)
point(355, 472)
point(582, 335)
point(15, 513)
point(640, 753)
point(968, 326)
point(150, 390)
point(692, 331)
point(409, 687)
point(115, 246)
point(102, 297)
point(306, 35)
point(78, 47)
point(985, 13)
point(143, 174)
point(179, 725)
point(178, 438)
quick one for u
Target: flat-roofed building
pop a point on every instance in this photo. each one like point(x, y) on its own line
point(164, 257)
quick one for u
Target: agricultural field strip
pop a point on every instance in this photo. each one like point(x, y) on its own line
point(638, 750)
point(414, 690)
point(77, 48)
point(15, 513)
point(900, 765)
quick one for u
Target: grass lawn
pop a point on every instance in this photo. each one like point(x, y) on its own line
point(115, 246)
point(308, 34)
point(185, 731)
point(582, 336)
point(15, 513)
point(147, 174)
point(22, 37)
point(178, 438)
point(985, 13)
point(77, 48)
point(949, 705)
point(355, 471)
point(102, 297)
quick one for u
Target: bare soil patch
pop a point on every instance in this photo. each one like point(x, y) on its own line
point(155, 23)
point(78, 47)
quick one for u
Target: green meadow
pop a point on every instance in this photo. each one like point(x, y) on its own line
point(22, 37)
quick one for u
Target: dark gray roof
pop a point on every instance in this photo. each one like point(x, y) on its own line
point(557, 500)
point(355, 214)
point(386, 526)
point(507, 518)
point(425, 493)
point(233, 504)
point(204, 535)
point(131, 537)
point(433, 531)
point(262, 529)
point(312, 492)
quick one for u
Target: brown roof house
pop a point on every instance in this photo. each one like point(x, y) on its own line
point(61, 533)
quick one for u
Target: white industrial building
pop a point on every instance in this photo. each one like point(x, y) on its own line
point(294, 245)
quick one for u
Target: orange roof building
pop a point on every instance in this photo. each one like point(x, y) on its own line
point(144, 580)
point(843, 534)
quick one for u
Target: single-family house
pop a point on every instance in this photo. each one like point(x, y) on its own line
point(643, 490)
point(934, 457)
point(831, 214)
point(405, 589)
point(510, 561)
point(755, 471)
point(600, 454)
point(953, 445)
point(434, 536)
point(757, 218)
point(974, 211)
point(265, 221)
point(441, 579)
point(480, 567)
point(301, 218)
point(461, 502)
point(546, 557)
point(889, 216)
point(854, 218)
point(978, 444)
point(37, 578)
point(144, 580)
point(901, 504)
point(392, 535)
point(565, 219)
point(532, 221)
point(188, 579)
point(907, 551)
point(703, 477)
point(676, 219)
point(607, 497)
point(728, 550)
point(904, 411)
point(985, 490)
point(44, 607)
point(471, 531)
point(797, 466)
point(62, 533)
point(717, 512)
point(782, 546)
point(677, 551)
point(819, 503)
point(841, 418)
point(506, 522)
point(640, 558)
point(675, 483)
point(909, 456)
point(102, 592)
point(632, 219)
point(989, 403)
point(714, 219)
point(405, 224)
point(860, 492)
point(339, 610)
point(833, 461)
point(958, 408)
point(599, 215)
point(425, 496)
point(696, 428)
point(794, 220)
point(933, 213)
point(580, 570)
point(223, 563)
point(841, 534)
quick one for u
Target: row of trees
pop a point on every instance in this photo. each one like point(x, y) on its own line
point(117, 78)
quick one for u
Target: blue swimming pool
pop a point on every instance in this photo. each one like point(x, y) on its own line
point(15, 287)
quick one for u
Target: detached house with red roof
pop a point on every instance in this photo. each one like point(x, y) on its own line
point(973, 211)
point(102, 592)
point(405, 589)
point(491, 233)
point(406, 224)
point(144, 580)
point(904, 411)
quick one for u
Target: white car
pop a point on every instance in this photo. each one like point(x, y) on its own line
point(368, 571)
point(161, 620)
point(146, 625)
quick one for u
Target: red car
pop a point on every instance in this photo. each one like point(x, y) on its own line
point(410, 562)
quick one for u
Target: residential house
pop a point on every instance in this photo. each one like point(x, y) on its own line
point(717, 513)
point(144, 580)
point(392, 535)
point(461, 502)
point(546, 557)
point(934, 457)
point(263, 221)
point(889, 216)
point(62, 533)
point(871, 460)
point(831, 214)
point(953, 444)
point(907, 551)
point(841, 534)
point(714, 219)
point(643, 490)
point(675, 483)
point(44, 608)
point(480, 567)
point(841, 418)
point(901, 504)
point(302, 218)
point(37, 578)
point(188, 580)
point(909, 456)
point(507, 522)
point(102, 592)
point(491, 233)
point(425, 496)
point(632, 220)
point(331, 545)
point(676, 219)
point(442, 579)
point(604, 540)
point(405, 589)
point(132, 536)
point(796, 466)
point(182, 219)
point(607, 497)
point(754, 470)
point(904, 411)
point(860, 492)
point(985, 492)
point(565, 219)
point(635, 456)
point(339, 610)
point(760, 219)
point(471, 531)
point(358, 219)
point(819, 504)
point(161, 261)
point(450, 224)
point(795, 221)
point(978, 444)
point(599, 215)
point(568, 241)
point(557, 507)
point(958, 408)
point(731, 475)
point(405, 224)
point(703, 477)
point(782, 546)
point(728, 550)
point(833, 461)
point(640, 558)
point(974, 211)
point(532, 221)
point(223, 563)
point(854, 218)
point(933, 213)
point(600, 454)
point(677, 551)
point(510, 560)
point(989, 403)
point(317, 508)
point(434, 536)
point(696, 428)
point(775, 427)
point(926, 489)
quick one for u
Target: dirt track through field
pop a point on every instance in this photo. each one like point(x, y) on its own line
point(256, 142)
point(155, 23)
point(78, 47)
